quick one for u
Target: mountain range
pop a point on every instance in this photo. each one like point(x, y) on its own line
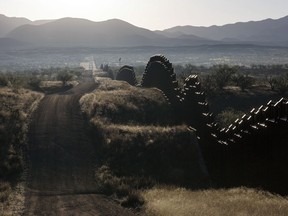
point(75, 32)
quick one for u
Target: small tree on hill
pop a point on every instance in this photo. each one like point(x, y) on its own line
point(34, 83)
point(281, 84)
point(223, 75)
point(271, 81)
point(3, 80)
point(64, 77)
point(243, 81)
point(208, 84)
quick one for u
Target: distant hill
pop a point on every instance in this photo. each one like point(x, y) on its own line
point(265, 31)
point(76, 32)
point(9, 23)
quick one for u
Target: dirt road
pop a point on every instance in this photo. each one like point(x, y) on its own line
point(61, 158)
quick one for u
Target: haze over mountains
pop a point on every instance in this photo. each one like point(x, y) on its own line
point(75, 32)
point(269, 30)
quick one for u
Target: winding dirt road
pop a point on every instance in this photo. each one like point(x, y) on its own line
point(61, 157)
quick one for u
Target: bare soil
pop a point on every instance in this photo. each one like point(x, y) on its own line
point(61, 160)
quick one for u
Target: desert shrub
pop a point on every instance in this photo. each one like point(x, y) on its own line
point(109, 183)
point(3, 80)
point(243, 81)
point(219, 77)
point(223, 75)
point(5, 190)
point(133, 200)
point(11, 163)
point(281, 84)
point(278, 83)
point(64, 77)
point(16, 81)
point(35, 83)
point(228, 116)
point(271, 81)
point(208, 84)
point(122, 188)
point(16, 107)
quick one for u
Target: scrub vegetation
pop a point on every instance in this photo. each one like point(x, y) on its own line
point(16, 108)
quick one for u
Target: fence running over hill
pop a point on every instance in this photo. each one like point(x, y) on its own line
point(159, 73)
point(257, 121)
point(252, 151)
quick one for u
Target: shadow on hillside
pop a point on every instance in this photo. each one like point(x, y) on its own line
point(258, 161)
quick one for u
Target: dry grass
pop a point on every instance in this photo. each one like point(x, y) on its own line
point(106, 84)
point(239, 100)
point(16, 108)
point(54, 86)
point(14, 200)
point(109, 183)
point(118, 102)
point(23, 99)
point(5, 190)
point(238, 201)
point(140, 136)
point(167, 153)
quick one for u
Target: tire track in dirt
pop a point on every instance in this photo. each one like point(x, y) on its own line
point(61, 159)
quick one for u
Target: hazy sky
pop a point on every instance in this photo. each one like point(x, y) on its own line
point(151, 14)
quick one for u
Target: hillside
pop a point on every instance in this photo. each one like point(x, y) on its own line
point(103, 145)
point(76, 32)
point(269, 31)
point(7, 24)
point(80, 32)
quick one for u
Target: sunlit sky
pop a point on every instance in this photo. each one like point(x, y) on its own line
point(151, 14)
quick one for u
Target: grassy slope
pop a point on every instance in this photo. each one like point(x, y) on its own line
point(15, 109)
point(131, 140)
point(140, 135)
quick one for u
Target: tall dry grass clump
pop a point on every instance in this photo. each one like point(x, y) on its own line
point(170, 201)
point(16, 108)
